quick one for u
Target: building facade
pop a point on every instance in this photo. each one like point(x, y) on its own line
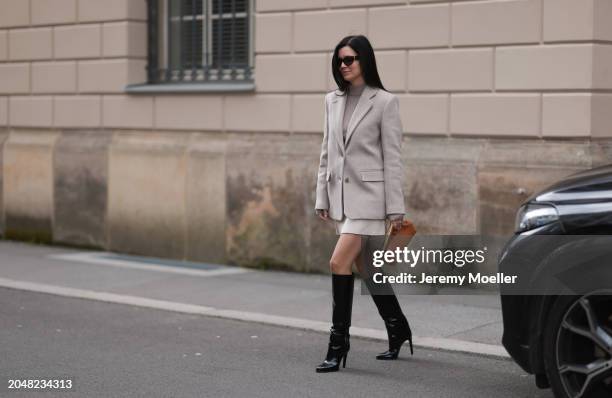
point(191, 129)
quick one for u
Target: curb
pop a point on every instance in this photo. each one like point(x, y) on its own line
point(435, 343)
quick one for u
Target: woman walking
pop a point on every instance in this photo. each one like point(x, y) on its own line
point(359, 186)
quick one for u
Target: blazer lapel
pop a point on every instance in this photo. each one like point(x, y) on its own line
point(364, 104)
point(337, 118)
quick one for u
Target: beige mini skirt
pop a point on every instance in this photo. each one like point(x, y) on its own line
point(360, 226)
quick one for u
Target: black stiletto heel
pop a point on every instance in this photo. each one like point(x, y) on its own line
point(344, 361)
point(398, 331)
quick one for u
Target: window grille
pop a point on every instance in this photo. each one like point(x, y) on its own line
point(199, 41)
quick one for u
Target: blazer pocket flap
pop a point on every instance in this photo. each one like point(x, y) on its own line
point(372, 175)
point(328, 176)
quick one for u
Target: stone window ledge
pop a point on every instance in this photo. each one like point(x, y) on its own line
point(186, 88)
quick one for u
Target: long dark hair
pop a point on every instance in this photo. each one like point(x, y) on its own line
point(361, 45)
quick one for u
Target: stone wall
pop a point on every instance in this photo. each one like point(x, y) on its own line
point(248, 199)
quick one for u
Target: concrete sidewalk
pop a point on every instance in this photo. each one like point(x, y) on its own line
point(459, 323)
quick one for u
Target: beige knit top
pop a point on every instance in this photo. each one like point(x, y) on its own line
point(354, 92)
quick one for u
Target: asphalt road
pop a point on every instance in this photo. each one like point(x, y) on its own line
point(115, 350)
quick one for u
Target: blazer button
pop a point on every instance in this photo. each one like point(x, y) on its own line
point(346, 179)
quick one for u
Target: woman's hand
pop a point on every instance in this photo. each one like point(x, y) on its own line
point(323, 214)
point(396, 220)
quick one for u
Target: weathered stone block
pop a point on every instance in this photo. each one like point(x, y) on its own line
point(269, 201)
point(146, 194)
point(28, 185)
point(80, 194)
point(3, 138)
point(440, 185)
point(206, 198)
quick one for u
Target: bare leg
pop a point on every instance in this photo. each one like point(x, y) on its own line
point(346, 251)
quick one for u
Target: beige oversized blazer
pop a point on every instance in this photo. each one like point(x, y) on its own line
point(362, 178)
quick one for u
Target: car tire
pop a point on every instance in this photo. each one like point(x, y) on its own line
point(576, 363)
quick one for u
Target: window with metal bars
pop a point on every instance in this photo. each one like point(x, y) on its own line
point(198, 41)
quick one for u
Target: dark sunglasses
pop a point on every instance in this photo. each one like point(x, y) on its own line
point(348, 60)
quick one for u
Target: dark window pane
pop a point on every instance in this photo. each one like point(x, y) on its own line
point(236, 54)
point(192, 43)
point(193, 7)
point(226, 5)
point(174, 34)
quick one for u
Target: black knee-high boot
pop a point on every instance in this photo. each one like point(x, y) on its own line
point(342, 305)
point(398, 329)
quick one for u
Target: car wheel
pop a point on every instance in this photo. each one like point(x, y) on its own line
point(578, 346)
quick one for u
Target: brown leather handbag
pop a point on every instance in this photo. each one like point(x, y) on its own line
point(400, 237)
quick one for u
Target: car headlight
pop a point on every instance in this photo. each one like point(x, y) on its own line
point(532, 216)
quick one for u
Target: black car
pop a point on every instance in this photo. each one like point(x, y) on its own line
point(558, 324)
